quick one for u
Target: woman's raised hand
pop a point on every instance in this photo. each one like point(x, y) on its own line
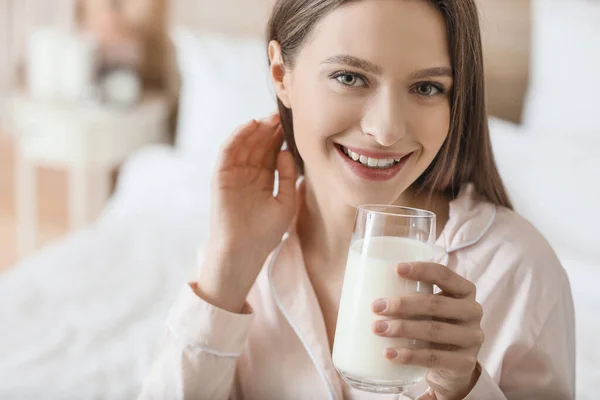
point(247, 221)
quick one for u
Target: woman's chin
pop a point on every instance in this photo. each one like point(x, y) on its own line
point(357, 190)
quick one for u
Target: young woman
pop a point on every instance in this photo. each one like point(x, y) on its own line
point(389, 80)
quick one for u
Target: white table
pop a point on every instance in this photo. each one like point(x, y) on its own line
point(89, 140)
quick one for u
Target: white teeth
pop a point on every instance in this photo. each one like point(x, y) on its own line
point(370, 161)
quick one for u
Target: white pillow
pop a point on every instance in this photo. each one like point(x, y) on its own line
point(225, 82)
point(565, 84)
point(554, 183)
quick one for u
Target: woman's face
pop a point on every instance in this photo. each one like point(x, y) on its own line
point(369, 93)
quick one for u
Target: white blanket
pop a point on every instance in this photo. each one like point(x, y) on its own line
point(80, 319)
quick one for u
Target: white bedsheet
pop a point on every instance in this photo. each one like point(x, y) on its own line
point(80, 319)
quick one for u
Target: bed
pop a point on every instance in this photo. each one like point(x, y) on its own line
point(81, 318)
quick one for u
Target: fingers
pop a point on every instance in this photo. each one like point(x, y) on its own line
point(276, 143)
point(258, 144)
point(249, 143)
point(449, 281)
point(460, 363)
point(231, 147)
point(286, 168)
point(431, 331)
point(429, 305)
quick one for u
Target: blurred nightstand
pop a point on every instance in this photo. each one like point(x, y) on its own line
point(88, 140)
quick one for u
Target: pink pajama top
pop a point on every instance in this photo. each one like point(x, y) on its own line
point(279, 349)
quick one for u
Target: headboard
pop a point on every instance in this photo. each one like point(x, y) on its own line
point(506, 29)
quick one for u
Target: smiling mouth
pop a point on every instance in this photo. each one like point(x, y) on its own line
point(370, 162)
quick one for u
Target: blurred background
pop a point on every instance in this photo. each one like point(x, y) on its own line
point(80, 80)
point(111, 114)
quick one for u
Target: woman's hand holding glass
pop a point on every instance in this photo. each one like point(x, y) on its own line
point(449, 320)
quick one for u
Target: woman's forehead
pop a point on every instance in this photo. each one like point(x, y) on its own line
point(411, 33)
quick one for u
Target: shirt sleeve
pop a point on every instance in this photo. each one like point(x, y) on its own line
point(198, 353)
point(485, 388)
point(546, 371)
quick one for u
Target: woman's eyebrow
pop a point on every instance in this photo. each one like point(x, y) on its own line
point(355, 62)
point(433, 72)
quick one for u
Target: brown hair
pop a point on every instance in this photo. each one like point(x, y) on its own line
point(466, 155)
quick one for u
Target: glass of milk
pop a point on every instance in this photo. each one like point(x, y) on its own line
point(383, 237)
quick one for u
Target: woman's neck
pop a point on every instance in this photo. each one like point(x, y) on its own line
point(325, 225)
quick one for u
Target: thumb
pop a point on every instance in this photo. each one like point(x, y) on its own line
point(286, 169)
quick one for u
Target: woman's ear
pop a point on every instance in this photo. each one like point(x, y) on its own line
point(279, 74)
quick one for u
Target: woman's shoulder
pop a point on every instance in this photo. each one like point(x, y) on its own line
point(499, 242)
point(516, 237)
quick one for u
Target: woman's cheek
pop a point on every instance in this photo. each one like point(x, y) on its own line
point(320, 113)
point(430, 126)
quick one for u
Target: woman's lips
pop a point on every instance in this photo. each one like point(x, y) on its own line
point(393, 163)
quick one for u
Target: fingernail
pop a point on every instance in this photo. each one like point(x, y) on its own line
point(404, 269)
point(379, 305)
point(380, 326)
point(391, 353)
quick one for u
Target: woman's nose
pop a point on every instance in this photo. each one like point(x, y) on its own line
point(384, 120)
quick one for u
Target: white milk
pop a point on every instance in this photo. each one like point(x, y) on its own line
point(370, 274)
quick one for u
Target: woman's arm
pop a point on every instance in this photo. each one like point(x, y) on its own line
point(199, 351)
point(210, 321)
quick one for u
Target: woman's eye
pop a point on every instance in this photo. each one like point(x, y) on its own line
point(427, 89)
point(348, 79)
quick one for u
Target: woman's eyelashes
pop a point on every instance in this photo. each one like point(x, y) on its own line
point(429, 89)
point(350, 79)
point(353, 80)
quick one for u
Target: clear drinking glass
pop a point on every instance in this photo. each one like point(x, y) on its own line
point(383, 237)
